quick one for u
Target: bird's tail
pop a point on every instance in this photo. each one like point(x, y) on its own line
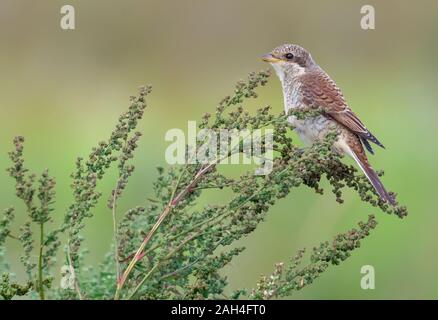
point(360, 157)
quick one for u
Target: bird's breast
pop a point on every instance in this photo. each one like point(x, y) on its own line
point(311, 129)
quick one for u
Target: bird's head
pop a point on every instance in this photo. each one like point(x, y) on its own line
point(289, 59)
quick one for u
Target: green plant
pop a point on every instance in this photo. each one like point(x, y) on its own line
point(172, 248)
point(37, 214)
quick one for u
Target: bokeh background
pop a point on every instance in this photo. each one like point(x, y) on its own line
point(63, 90)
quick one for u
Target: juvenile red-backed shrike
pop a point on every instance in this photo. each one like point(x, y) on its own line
point(306, 85)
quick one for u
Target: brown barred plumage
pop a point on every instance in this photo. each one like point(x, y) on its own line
point(306, 85)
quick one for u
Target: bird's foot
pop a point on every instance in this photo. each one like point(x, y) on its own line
point(300, 151)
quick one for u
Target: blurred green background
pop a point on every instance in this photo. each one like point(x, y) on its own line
point(63, 90)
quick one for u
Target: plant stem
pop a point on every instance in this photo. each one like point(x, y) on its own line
point(40, 264)
point(116, 243)
point(172, 203)
point(138, 255)
point(155, 267)
point(13, 237)
point(73, 274)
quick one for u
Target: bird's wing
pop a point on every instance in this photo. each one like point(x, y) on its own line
point(319, 91)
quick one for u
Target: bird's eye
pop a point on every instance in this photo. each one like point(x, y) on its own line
point(289, 56)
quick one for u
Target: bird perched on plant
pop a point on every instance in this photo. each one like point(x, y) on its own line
point(307, 86)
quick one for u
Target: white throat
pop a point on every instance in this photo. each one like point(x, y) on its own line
point(279, 70)
point(288, 75)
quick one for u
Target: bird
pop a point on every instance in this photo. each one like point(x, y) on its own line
point(307, 86)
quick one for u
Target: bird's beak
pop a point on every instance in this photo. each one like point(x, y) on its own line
point(270, 58)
